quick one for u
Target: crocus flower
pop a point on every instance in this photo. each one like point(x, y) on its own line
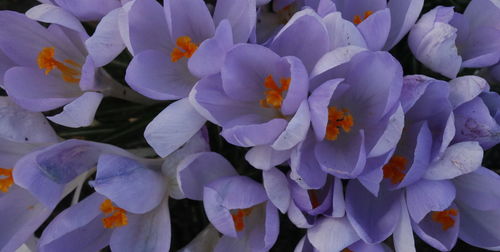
point(236, 206)
point(21, 132)
point(445, 41)
point(118, 213)
point(51, 69)
point(416, 192)
point(351, 116)
point(476, 111)
point(375, 25)
point(187, 47)
point(266, 95)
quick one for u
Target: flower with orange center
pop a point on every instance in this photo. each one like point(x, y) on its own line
point(357, 19)
point(185, 48)
point(445, 218)
point(394, 170)
point(338, 119)
point(274, 93)
point(115, 216)
point(6, 179)
point(239, 218)
point(70, 70)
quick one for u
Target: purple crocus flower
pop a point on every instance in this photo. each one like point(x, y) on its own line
point(445, 41)
point(21, 132)
point(51, 68)
point(187, 47)
point(352, 117)
point(476, 111)
point(266, 94)
point(416, 192)
point(375, 25)
point(118, 214)
point(237, 206)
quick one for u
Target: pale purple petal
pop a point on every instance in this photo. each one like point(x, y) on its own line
point(374, 219)
point(241, 15)
point(429, 195)
point(106, 43)
point(332, 234)
point(173, 127)
point(264, 157)
point(145, 232)
point(80, 112)
point(458, 159)
point(122, 180)
point(52, 14)
point(198, 170)
point(77, 228)
point(404, 14)
point(466, 88)
point(375, 29)
point(276, 185)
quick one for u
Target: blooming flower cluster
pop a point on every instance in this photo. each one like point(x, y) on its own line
point(351, 150)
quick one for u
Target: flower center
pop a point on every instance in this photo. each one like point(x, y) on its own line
point(357, 19)
point(444, 217)
point(394, 170)
point(70, 70)
point(6, 179)
point(185, 48)
point(274, 93)
point(115, 216)
point(346, 250)
point(313, 197)
point(338, 119)
point(239, 218)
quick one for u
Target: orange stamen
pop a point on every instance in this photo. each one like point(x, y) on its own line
point(238, 218)
point(47, 61)
point(357, 19)
point(6, 179)
point(185, 48)
point(338, 119)
point(346, 250)
point(117, 217)
point(313, 198)
point(274, 93)
point(444, 217)
point(394, 170)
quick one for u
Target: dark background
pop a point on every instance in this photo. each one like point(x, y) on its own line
point(123, 123)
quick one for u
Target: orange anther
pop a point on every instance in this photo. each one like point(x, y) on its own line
point(185, 48)
point(274, 93)
point(313, 197)
point(116, 217)
point(338, 119)
point(6, 179)
point(357, 19)
point(47, 61)
point(444, 217)
point(238, 218)
point(394, 170)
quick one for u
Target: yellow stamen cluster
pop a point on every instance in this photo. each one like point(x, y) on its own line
point(116, 217)
point(238, 218)
point(357, 19)
point(394, 170)
point(274, 93)
point(338, 119)
point(6, 179)
point(185, 48)
point(444, 217)
point(70, 70)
